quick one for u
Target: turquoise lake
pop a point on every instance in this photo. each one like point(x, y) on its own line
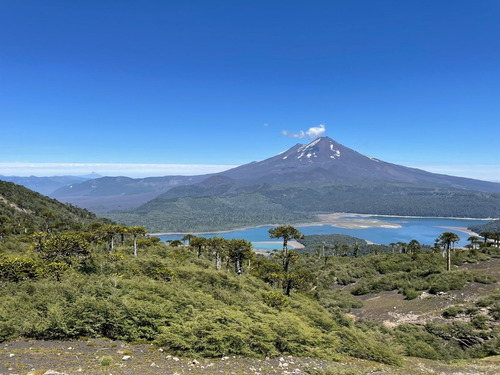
point(424, 230)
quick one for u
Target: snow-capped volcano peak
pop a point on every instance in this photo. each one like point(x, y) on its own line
point(323, 148)
point(323, 158)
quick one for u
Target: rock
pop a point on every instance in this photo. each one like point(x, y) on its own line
point(52, 372)
point(11, 355)
point(126, 357)
point(175, 359)
point(195, 362)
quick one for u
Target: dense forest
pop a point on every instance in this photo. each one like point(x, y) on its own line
point(226, 207)
point(491, 227)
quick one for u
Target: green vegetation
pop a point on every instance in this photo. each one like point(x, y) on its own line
point(491, 227)
point(227, 206)
point(24, 211)
point(328, 245)
point(199, 214)
point(215, 297)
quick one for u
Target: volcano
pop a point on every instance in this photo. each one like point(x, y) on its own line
point(293, 186)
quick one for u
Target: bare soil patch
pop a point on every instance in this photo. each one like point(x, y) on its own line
point(98, 356)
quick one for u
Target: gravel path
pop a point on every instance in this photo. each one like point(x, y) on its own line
point(113, 357)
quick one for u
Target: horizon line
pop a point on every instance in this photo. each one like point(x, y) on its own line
point(141, 170)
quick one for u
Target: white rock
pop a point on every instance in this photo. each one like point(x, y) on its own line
point(126, 357)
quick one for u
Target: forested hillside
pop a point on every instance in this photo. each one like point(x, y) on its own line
point(491, 227)
point(23, 210)
point(227, 207)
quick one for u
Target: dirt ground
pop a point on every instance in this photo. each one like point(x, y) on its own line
point(98, 356)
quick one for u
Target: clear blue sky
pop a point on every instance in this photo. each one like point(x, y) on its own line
point(220, 82)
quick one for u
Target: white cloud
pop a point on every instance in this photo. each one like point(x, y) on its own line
point(314, 132)
point(109, 169)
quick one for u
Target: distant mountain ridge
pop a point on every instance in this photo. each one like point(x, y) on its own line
point(47, 185)
point(320, 177)
point(118, 193)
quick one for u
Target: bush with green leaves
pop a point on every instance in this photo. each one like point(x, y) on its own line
point(17, 269)
point(275, 299)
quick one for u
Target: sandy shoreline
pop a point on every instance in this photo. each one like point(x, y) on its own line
point(343, 220)
point(462, 229)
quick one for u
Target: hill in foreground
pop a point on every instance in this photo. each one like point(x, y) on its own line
point(24, 210)
point(216, 298)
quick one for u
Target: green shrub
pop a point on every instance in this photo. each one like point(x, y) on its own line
point(275, 299)
point(453, 280)
point(452, 312)
point(480, 321)
point(106, 361)
point(411, 293)
point(19, 268)
point(360, 345)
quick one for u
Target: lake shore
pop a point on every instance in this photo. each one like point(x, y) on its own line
point(463, 229)
point(338, 219)
point(341, 220)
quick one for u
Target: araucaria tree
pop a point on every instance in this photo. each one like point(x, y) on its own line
point(219, 246)
point(63, 247)
point(287, 232)
point(446, 240)
point(136, 231)
point(239, 250)
point(199, 244)
point(109, 232)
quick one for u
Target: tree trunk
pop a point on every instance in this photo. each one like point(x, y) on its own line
point(135, 244)
point(238, 264)
point(286, 263)
point(111, 244)
point(288, 287)
point(448, 258)
point(217, 260)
